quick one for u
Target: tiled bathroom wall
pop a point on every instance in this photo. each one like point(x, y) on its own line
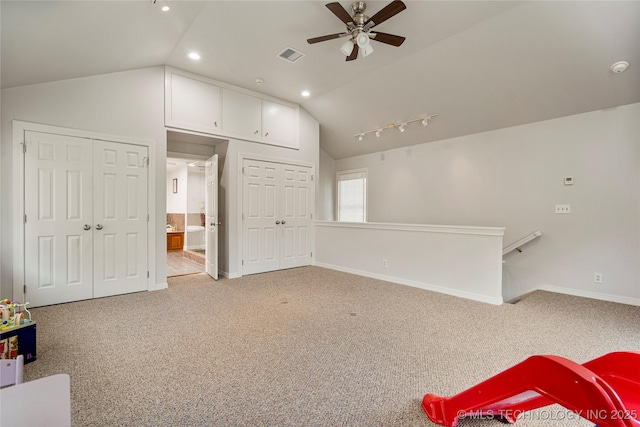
point(176, 220)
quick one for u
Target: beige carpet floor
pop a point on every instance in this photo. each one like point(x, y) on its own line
point(305, 347)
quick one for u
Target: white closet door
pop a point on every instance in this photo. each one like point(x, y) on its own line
point(261, 185)
point(58, 208)
point(120, 218)
point(295, 244)
point(277, 216)
point(211, 212)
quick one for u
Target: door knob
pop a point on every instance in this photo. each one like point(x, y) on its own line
point(87, 227)
point(277, 222)
point(98, 226)
point(284, 222)
point(213, 224)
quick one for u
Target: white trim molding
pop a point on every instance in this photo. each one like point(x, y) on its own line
point(590, 294)
point(423, 228)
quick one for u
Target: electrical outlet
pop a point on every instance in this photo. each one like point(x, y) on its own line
point(384, 263)
point(597, 278)
point(563, 209)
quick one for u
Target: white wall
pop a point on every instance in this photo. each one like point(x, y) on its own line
point(513, 178)
point(326, 187)
point(177, 202)
point(129, 104)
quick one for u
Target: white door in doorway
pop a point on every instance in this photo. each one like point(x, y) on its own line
point(277, 216)
point(211, 212)
point(86, 218)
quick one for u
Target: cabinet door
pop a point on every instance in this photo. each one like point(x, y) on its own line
point(193, 104)
point(241, 114)
point(279, 124)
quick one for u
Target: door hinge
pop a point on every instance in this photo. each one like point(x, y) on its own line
point(242, 216)
point(24, 289)
point(311, 216)
point(24, 147)
point(147, 217)
point(147, 274)
point(242, 262)
point(311, 254)
point(243, 170)
point(311, 177)
point(25, 218)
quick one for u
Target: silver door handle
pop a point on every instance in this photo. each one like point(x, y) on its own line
point(284, 222)
point(87, 227)
point(98, 226)
point(277, 222)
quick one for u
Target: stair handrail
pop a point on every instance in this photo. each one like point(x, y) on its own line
point(521, 242)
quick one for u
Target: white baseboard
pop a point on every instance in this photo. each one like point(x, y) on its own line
point(589, 294)
point(227, 275)
point(425, 286)
point(159, 286)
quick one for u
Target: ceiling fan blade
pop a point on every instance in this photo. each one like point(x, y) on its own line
point(354, 53)
point(325, 38)
point(391, 39)
point(340, 12)
point(389, 11)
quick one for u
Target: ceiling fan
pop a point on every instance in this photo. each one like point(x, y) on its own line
point(359, 28)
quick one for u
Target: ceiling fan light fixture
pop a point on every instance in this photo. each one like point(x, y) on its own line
point(362, 40)
point(360, 137)
point(378, 133)
point(366, 51)
point(347, 48)
point(425, 121)
point(401, 127)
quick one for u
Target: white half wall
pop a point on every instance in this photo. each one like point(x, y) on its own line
point(326, 193)
point(513, 178)
point(460, 261)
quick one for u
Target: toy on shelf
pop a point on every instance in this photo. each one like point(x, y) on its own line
point(13, 314)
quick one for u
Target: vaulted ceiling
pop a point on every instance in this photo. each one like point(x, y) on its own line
point(480, 65)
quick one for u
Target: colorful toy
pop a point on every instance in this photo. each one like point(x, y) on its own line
point(605, 391)
point(13, 313)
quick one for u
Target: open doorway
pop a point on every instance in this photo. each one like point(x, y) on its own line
point(185, 216)
point(192, 204)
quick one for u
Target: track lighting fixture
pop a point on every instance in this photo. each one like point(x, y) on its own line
point(401, 126)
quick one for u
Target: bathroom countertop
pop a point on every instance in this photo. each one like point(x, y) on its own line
point(173, 232)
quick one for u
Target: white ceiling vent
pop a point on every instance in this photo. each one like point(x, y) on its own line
point(290, 54)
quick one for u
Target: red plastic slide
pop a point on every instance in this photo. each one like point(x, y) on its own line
point(605, 391)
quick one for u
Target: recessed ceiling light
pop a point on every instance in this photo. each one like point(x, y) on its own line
point(305, 93)
point(619, 67)
point(194, 55)
point(165, 8)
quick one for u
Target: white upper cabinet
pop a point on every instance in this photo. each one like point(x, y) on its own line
point(241, 113)
point(200, 104)
point(279, 123)
point(192, 104)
